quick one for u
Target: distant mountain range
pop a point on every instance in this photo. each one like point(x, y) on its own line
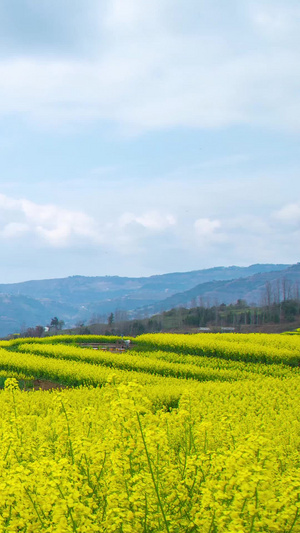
point(79, 298)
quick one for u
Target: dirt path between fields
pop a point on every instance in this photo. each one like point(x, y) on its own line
point(45, 384)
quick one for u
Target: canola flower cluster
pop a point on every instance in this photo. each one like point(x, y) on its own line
point(252, 347)
point(19, 376)
point(152, 440)
point(101, 460)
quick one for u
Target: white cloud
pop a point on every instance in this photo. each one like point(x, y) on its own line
point(130, 15)
point(138, 235)
point(14, 229)
point(60, 227)
point(153, 221)
point(206, 228)
point(276, 20)
point(289, 214)
point(7, 203)
point(54, 225)
point(148, 74)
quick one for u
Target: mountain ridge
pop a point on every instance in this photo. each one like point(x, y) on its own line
point(252, 289)
point(79, 298)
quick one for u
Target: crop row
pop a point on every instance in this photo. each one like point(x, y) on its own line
point(255, 348)
point(217, 363)
point(163, 363)
point(273, 340)
point(135, 362)
point(65, 339)
point(239, 347)
point(164, 390)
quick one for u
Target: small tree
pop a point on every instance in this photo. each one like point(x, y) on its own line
point(56, 324)
point(39, 330)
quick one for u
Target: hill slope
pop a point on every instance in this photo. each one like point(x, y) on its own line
point(77, 298)
point(254, 289)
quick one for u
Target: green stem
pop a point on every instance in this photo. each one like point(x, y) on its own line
point(294, 521)
point(15, 411)
point(69, 433)
point(146, 510)
point(74, 525)
point(212, 523)
point(152, 475)
point(7, 451)
point(256, 504)
point(34, 505)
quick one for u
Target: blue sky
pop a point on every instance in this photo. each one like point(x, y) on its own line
point(138, 137)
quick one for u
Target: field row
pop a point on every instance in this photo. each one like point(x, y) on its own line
point(250, 348)
point(66, 339)
point(164, 391)
point(257, 348)
point(162, 363)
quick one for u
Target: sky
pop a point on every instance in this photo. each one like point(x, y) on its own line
point(139, 138)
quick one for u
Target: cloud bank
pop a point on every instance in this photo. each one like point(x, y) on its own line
point(152, 232)
point(54, 225)
point(162, 64)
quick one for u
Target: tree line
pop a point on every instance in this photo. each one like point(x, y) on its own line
point(280, 304)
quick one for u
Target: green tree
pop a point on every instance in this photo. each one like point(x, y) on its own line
point(56, 324)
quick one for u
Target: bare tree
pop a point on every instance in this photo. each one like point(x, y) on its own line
point(286, 289)
point(269, 293)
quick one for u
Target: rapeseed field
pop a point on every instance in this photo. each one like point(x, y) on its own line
point(182, 433)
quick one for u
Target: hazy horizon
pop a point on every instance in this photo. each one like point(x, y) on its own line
point(151, 275)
